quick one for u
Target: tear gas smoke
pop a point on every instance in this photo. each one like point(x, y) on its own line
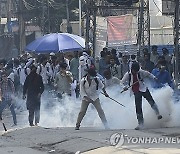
point(63, 113)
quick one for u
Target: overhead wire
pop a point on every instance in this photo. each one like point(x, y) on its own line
point(157, 6)
point(28, 5)
point(55, 5)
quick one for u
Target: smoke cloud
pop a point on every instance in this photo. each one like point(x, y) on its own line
point(64, 112)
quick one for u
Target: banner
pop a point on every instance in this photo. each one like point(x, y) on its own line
point(121, 30)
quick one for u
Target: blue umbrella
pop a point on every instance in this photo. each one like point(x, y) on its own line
point(56, 42)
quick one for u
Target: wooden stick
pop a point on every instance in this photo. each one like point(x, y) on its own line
point(5, 129)
point(114, 100)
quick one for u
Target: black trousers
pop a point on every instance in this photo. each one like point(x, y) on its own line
point(34, 113)
point(138, 103)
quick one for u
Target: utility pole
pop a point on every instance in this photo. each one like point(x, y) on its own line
point(45, 17)
point(143, 26)
point(177, 40)
point(48, 15)
point(0, 9)
point(42, 17)
point(80, 18)
point(87, 24)
point(0, 17)
point(22, 37)
point(8, 11)
point(69, 28)
point(91, 11)
point(140, 28)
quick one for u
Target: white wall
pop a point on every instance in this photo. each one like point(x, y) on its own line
point(155, 10)
point(162, 36)
point(161, 30)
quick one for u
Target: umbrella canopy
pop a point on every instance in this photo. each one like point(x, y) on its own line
point(56, 42)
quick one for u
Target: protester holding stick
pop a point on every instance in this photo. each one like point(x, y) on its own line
point(90, 87)
point(6, 91)
point(1, 116)
point(136, 79)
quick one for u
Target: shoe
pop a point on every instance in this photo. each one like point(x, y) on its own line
point(159, 117)
point(31, 125)
point(77, 128)
point(139, 127)
point(36, 124)
point(13, 125)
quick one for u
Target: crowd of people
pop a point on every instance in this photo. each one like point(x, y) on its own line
point(81, 75)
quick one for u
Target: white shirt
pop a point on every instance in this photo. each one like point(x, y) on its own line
point(45, 72)
point(23, 72)
point(90, 90)
point(143, 74)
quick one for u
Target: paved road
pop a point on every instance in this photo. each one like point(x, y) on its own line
point(40, 140)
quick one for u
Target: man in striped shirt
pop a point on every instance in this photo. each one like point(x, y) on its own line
point(6, 91)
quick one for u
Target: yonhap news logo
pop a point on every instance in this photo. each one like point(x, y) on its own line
point(119, 139)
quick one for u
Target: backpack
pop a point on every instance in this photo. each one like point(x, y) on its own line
point(95, 79)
